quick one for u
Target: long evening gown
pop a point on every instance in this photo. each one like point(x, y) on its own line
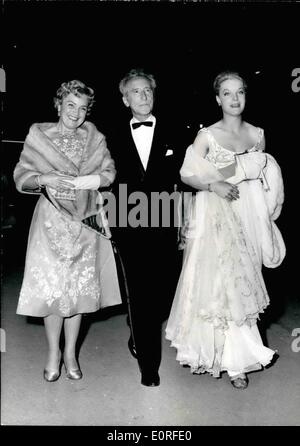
point(221, 291)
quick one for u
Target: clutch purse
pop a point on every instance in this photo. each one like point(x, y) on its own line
point(67, 194)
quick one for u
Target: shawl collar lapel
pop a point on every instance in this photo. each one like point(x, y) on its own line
point(157, 150)
point(155, 156)
point(133, 154)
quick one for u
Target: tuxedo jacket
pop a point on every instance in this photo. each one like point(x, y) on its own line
point(162, 172)
point(150, 255)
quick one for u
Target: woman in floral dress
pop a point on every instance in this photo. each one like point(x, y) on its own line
point(70, 267)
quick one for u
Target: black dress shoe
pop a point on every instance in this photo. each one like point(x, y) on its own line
point(150, 379)
point(132, 348)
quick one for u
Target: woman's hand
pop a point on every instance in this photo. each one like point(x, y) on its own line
point(85, 182)
point(225, 190)
point(56, 180)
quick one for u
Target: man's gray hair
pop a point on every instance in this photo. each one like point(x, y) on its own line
point(133, 74)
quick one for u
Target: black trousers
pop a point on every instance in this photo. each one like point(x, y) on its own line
point(152, 263)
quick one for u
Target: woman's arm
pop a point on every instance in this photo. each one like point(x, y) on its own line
point(200, 146)
point(31, 183)
point(221, 188)
point(108, 171)
point(53, 179)
point(105, 175)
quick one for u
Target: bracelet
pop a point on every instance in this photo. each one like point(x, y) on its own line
point(37, 180)
point(209, 187)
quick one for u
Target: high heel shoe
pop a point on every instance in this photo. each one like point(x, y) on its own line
point(52, 375)
point(73, 373)
point(240, 382)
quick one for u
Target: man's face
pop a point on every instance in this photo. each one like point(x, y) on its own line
point(139, 97)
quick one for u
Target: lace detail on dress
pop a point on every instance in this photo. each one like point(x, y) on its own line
point(222, 157)
point(62, 272)
point(257, 146)
point(72, 147)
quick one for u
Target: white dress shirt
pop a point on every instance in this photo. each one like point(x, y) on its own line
point(143, 137)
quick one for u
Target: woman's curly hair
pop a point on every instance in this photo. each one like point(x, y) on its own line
point(78, 88)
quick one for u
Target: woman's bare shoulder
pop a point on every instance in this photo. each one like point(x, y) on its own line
point(253, 130)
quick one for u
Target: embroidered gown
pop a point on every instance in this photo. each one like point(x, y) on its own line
point(221, 290)
point(68, 266)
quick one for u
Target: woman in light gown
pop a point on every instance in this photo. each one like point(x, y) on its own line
point(70, 267)
point(230, 234)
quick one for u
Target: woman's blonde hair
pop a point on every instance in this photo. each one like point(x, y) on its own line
point(76, 87)
point(224, 76)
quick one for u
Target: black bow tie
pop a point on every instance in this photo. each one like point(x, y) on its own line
point(136, 125)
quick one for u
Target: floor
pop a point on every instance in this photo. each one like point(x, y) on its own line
point(110, 393)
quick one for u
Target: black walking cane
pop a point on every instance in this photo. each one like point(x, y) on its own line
point(92, 223)
point(121, 269)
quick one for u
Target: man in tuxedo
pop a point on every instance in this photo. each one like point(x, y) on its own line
point(147, 165)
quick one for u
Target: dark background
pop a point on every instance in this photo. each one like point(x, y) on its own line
point(185, 45)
